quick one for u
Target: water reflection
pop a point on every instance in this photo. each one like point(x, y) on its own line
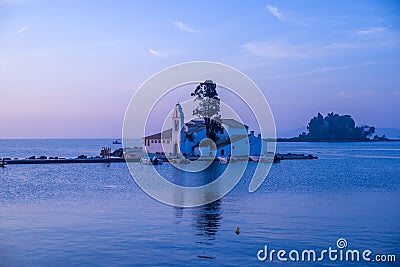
point(178, 214)
point(207, 222)
point(208, 217)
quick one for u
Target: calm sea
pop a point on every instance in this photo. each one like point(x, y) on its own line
point(91, 214)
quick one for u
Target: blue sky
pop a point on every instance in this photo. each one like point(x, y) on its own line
point(69, 68)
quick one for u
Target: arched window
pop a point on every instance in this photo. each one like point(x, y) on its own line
point(176, 125)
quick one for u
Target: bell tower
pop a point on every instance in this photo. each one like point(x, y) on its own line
point(177, 125)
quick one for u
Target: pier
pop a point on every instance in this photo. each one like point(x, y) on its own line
point(133, 158)
point(68, 160)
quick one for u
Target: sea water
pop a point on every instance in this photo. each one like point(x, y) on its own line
point(91, 214)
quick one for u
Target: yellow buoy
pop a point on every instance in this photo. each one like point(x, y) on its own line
point(237, 230)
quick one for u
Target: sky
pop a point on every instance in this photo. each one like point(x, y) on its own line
point(68, 69)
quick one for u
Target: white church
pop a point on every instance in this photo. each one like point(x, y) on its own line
point(185, 138)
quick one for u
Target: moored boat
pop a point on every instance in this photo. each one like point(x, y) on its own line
point(3, 163)
point(150, 160)
point(223, 160)
point(254, 158)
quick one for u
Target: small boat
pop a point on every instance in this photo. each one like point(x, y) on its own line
point(3, 164)
point(223, 160)
point(254, 158)
point(145, 160)
point(117, 142)
point(150, 161)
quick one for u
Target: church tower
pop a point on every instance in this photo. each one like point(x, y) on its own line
point(177, 125)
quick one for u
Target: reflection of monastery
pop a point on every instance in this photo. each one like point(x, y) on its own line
point(184, 138)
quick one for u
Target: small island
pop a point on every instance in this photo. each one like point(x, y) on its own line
point(335, 128)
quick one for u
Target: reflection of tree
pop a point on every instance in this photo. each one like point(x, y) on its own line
point(208, 108)
point(178, 214)
point(208, 222)
point(208, 217)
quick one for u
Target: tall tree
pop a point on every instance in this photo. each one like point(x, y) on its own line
point(315, 125)
point(208, 107)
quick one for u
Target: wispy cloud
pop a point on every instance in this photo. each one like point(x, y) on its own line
point(279, 49)
point(371, 30)
point(166, 53)
point(276, 50)
point(275, 12)
point(154, 52)
point(341, 45)
point(183, 27)
point(21, 30)
point(359, 44)
point(326, 69)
